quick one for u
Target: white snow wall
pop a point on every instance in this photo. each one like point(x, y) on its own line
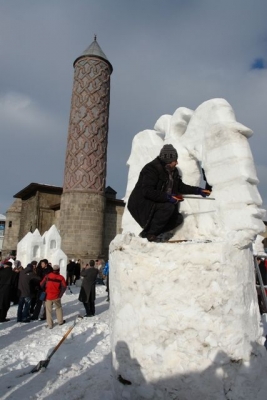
point(185, 321)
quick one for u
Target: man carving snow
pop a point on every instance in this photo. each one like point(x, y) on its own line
point(152, 202)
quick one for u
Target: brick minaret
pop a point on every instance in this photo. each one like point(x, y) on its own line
point(83, 200)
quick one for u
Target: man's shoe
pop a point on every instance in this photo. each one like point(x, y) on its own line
point(151, 237)
point(165, 237)
point(143, 234)
point(26, 320)
point(42, 319)
point(5, 320)
point(64, 321)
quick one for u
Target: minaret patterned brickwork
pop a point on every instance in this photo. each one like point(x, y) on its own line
point(83, 200)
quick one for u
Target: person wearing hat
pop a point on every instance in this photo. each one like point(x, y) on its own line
point(152, 203)
point(8, 286)
point(54, 286)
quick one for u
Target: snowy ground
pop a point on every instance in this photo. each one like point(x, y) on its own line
point(81, 367)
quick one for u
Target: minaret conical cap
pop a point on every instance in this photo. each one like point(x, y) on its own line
point(94, 50)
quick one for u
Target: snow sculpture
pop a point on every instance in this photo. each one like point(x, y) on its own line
point(36, 247)
point(212, 139)
point(184, 315)
point(258, 247)
point(30, 248)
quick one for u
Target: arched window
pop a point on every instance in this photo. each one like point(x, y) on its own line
point(53, 244)
point(36, 251)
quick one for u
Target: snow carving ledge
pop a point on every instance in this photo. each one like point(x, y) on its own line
point(184, 316)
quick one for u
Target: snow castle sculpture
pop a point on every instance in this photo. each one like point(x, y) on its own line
point(36, 247)
point(185, 319)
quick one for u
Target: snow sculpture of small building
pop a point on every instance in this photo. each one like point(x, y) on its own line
point(36, 247)
point(30, 248)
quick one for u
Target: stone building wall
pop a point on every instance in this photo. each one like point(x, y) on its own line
point(28, 221)
point(37, 213)
point(57, 219)
point(13, 218)
point(112, 226)
point(81, 229)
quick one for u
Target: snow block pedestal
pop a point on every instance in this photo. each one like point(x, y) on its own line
point(185, 322)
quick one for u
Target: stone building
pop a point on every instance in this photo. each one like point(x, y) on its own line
point(2, 230)
point(37, 206)
point(12, 228)
point(83, 200)
point(86, 213)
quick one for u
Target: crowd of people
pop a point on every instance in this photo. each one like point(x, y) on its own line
point(38, 288)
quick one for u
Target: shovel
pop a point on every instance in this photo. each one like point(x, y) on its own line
point(44, 363)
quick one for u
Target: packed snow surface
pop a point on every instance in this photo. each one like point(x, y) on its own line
point(80, 369)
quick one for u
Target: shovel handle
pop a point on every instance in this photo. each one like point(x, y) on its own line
point(61, 341)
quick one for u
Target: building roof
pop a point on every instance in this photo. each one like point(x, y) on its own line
point(32, 188)
point(2, 217)
point(110, 190)
point(94, 50)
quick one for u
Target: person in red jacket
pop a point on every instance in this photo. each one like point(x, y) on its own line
point(54, 286)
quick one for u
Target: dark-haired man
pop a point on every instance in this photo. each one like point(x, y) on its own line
point(87, 292)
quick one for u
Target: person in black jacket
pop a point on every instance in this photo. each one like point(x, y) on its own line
point(8, 286)
point(70, 272)
point(152, 203)
point(87, 292)
point(28, 280)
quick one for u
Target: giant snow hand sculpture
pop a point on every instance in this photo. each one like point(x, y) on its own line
point(209, 138)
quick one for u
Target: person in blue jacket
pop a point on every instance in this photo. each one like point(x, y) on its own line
point(106, 275)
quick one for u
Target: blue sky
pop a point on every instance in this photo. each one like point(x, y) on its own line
point(165, 54)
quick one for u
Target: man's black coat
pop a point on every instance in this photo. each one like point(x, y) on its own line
point(8, 287)
point(87, 291)
point(151, 188)
point(28, 283)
